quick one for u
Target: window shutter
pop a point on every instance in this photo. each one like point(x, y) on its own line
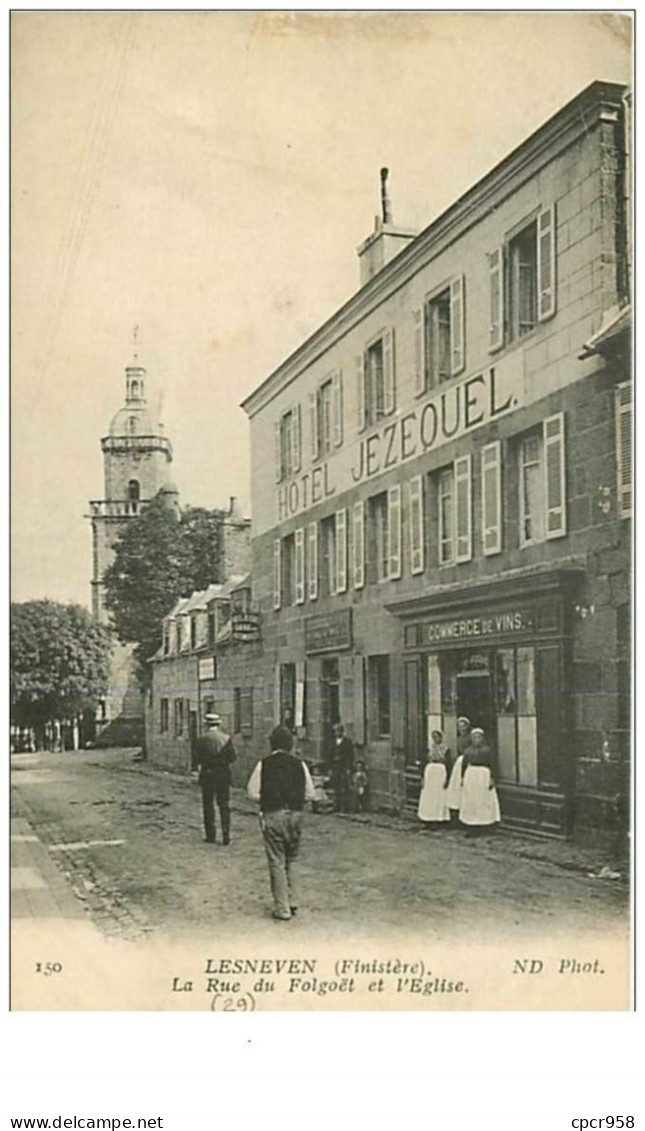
point(416, 524)
point(313, 426)
point(277, 694)
point(358, 545)
point(554, 476)
point(463, 508)
point(278, 449)
point(624, 447)
point(341, 551)
point(312, 564)
point(394, 531)
point(546, 264)
point(419, 368)
point(496, 278)
point(389, 395)
point(296, 439)
point(300, 567)
point(457, 325)
point(360, 393)
point(492, 498)
point(337, 408)
point(277, 573)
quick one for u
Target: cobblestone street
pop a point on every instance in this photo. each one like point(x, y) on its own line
point(128, 841)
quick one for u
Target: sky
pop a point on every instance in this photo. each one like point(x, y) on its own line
point(208, 178)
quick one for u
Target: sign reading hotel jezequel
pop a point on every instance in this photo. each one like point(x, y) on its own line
point(427, 425)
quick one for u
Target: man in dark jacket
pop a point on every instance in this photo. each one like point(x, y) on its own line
point(214, 753)
point(281, 783)
point(342, 766)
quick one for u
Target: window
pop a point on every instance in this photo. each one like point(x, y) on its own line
point(299, 567)
point(394, 531)
point(179, 717)
point(379, 540)
point(193, 631)
point(492, 498)
point(378, 669)
point(542, 486)
point(288, 444)
point(515, 695)
point(522, 281)
point(328, 537)
point(289, 570)
point(163, 715)
point(440, 337)
point(446, 516)
point(166, 637)
point(242, 709)
point(211, 628)
point(134, 490)
point(326, 412)
point(624, 448)
point(375, 381)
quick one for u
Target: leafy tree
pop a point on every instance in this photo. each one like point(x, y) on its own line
point(59, 661)
point(159, 557)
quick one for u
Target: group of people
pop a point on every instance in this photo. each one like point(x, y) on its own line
point(460, 789)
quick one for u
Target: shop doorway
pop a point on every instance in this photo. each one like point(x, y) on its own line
point(475, 701)
point(330, 701)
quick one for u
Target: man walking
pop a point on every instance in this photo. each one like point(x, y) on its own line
point(214, 754)
point(342, 766)
point(281, 783)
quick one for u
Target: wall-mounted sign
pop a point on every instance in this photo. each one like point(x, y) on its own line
point(245, 626)
point(472, 628)
point(329, 632)
point(206, 668)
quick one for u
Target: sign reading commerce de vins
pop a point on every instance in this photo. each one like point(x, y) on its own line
point(476, 627)
point(445, 416)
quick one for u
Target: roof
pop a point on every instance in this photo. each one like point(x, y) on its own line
point(200, 598)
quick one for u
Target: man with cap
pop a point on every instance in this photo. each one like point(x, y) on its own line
point(214, 753)
point(281, 782)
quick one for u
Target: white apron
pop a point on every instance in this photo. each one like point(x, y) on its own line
point(479, 803)
point(432, 802)
point(453, 792)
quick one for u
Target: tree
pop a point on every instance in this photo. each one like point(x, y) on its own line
point(59, 661)
point(159, 557)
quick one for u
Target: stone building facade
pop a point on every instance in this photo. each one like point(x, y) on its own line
point(448, 527)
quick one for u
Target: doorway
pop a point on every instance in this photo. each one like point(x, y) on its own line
point(475, 701)
point(330, 696)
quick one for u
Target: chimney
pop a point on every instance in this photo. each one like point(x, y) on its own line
point(387, 239)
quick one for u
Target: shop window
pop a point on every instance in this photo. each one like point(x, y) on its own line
point(242, 709)
point(163, 715)
point(378, 670)
point(516, 715)
point(375, 381)
point(624, 469)
point(179, 717)
point(288, 444)
point(328, 538)
point(288, 570)
point(379, 543)
point(522, 281)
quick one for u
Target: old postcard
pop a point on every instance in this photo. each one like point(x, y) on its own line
point(322, 510)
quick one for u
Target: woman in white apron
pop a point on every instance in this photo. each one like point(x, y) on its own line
point(453, 793)
point(479, 801)
point(433, 808)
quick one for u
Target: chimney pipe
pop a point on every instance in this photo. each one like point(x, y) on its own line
point(386, 203)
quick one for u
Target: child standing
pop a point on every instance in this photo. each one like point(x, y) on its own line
point(479, 801)
point(360, 784)
point(433, 805)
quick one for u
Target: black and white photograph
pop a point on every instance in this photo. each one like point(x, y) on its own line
point(322, 486)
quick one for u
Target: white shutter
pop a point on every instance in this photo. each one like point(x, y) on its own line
point(278, 449)
point(341, 551)
point(623, 396)
point(416, 524)
point(296, 439)
point(277, 573)
point(457, 325)
point(492, 498)
point(313, 426)
point(419, 367)
point(337, 408)
point(546, 264)
point(358, 545)
point(389, 393)
point(394, 531)
point(496, 282)
point(312, 564)
point(300, 566)
point(555, 476)
point(361, 416)
point(463, 509)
